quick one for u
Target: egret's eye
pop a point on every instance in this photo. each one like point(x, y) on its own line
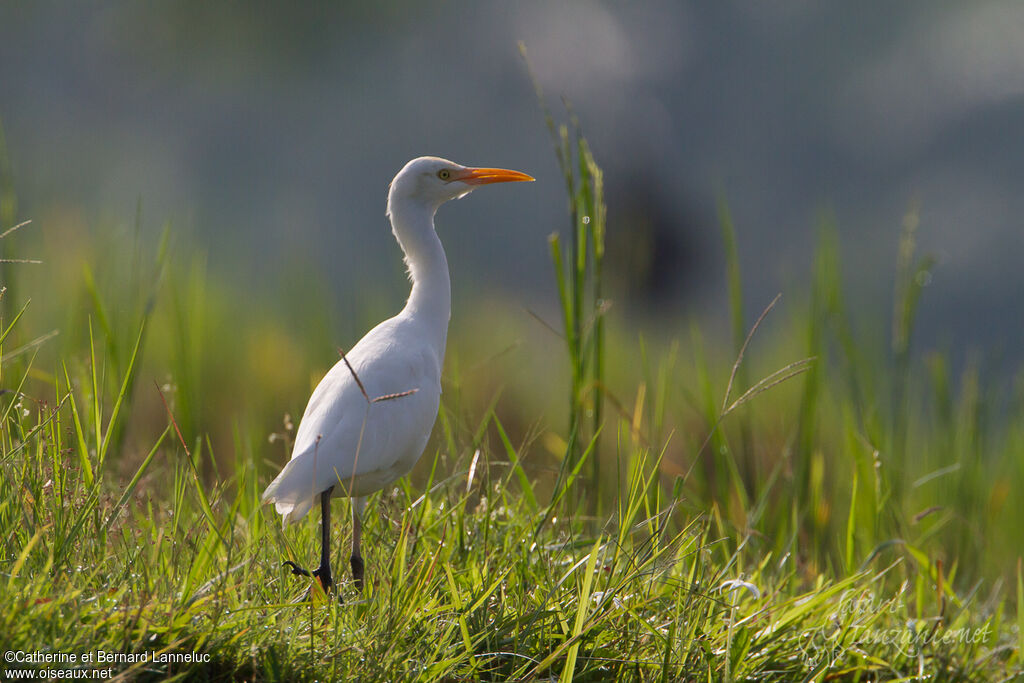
point(444, 174)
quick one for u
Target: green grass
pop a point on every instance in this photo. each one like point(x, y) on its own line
point(794, 503)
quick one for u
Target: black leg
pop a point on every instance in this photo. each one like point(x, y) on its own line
point(357, 538)
point(323, 572)
point(357, 571)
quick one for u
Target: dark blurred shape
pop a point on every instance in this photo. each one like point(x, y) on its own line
point(655, 236)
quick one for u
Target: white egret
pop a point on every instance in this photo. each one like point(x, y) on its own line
point(369, 419)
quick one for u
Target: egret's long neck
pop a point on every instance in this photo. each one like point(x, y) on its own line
point(430, 300)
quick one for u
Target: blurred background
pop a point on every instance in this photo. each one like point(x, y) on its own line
point(215, 174)
point(269, 132)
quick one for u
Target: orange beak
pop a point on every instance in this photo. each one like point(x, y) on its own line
point(484, 176)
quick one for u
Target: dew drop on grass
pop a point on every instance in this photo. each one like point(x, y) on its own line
point(586, 220)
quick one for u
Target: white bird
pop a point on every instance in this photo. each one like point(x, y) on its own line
point(366, 425)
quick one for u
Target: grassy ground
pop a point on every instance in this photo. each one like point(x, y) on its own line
point(605, 508)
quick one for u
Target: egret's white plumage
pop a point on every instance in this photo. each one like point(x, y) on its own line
point(363, 446)
point(346, 439)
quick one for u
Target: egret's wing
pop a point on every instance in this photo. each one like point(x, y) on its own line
point(348, 437)
point(320, 455)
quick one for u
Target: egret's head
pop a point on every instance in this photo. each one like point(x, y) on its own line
point(432, 181)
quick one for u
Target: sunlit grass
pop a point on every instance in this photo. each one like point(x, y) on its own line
point(682, 516)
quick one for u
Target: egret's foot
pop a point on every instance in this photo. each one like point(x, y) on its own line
point(357, 571)
point(321, 574)
point(296, 569)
